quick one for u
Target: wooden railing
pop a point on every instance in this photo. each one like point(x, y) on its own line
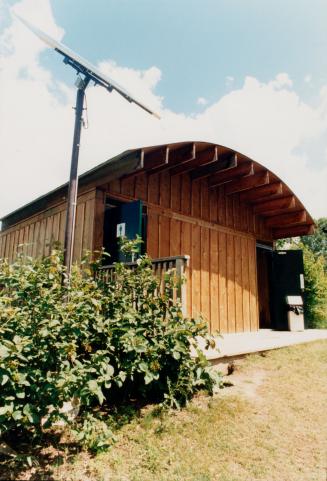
point(160, 267)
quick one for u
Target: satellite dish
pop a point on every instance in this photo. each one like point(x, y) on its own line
point(90, 73)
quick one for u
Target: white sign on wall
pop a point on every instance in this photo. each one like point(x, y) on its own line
point(120, 230)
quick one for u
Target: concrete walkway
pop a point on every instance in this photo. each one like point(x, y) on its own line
point(231, 345)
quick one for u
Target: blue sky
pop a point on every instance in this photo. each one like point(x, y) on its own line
point(197, 44)
point(250, 74)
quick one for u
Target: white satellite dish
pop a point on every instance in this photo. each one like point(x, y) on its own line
point(85, 68)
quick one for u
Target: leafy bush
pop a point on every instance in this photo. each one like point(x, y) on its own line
point(315, 293)
point(92, 340)
point(317, 242)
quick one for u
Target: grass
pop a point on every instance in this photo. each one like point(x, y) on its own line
point(271, 426)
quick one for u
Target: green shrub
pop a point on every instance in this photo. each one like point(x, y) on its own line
point(315, 280)
point(317, 242)
point(315, 293)
point(100, 342)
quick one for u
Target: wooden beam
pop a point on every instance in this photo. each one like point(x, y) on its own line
point(122, 165)
point(182, 154)
point(277, 212)
point(156, 158)
point(264, 192)
point(267, 206)
point(176, 157)
point(247, 183)
point(154, 208)
point(232, 173)
point(287, 219)
point(291, 231)
point(221, 163)
point(203, 157)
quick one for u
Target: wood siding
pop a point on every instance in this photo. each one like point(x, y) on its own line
point(219, 234)
point(185, 217)
point(203, 200)
point(37, 235)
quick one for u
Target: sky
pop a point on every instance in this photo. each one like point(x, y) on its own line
point(248, 74)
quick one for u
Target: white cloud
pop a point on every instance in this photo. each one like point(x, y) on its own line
point(267, 121)
point(202, 101)
point(308, 78)
point(229, 81)
point(281, 80)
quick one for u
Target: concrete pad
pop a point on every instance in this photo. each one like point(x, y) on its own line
point(231, 345)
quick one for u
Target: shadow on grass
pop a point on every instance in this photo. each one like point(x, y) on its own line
point(38, 458)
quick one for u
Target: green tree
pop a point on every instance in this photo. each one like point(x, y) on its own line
point(317, 242)
point(315, 292)
point(315, 274)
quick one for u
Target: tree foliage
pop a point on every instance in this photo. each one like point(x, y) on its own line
point(317, 242)
point(315, 272)
point(101, 342)
point(315, 292)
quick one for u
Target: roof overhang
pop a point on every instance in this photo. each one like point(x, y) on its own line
point(270, 198)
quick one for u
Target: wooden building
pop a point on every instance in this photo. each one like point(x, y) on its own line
point(205, 205)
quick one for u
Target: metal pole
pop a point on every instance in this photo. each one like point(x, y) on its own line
point(73, 179)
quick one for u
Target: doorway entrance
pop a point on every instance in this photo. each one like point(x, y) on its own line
point(123, 219)
point(287, 280)
point(279, 274)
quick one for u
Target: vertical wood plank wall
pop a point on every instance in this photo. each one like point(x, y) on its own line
point(37, 235)
point(216, 231)
point(184, 217)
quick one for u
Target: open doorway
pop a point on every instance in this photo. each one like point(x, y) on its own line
point(287, 279)
point(123, 219)
point(264, 270)
point(280, 273)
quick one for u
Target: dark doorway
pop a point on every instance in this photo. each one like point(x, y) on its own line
point(279, 274)
point(287, 279)
point(123, 219)
point(264, 269)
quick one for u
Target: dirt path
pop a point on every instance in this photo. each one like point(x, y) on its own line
point(245, 384)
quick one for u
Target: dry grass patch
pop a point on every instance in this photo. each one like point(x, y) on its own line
point(270, 427)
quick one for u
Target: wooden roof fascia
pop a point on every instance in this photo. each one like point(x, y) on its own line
point(180, 155)
point(293, 231)
point(221, 163)
point(247, 182)
point(267, 206)
point(262, 193)
point(131, 165)
point(203, 157)
point(156, 158)
point(130, 161)
point(285, 210)
point(227, 175)
point(291, 219)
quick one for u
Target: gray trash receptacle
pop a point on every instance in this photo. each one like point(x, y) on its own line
point(295, 313)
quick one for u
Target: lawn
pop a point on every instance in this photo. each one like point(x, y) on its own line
point(270, 425)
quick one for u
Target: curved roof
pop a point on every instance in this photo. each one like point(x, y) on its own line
point(256, 185)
